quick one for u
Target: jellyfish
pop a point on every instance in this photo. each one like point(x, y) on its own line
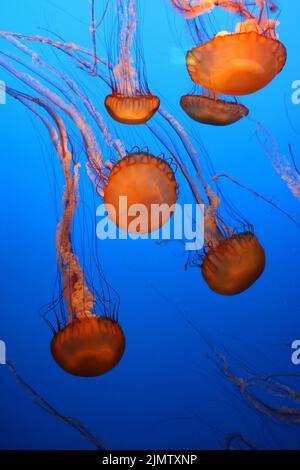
point(130, 101)
point(208, 109)
point(147, 183)
point(88, 345)
point(234, 264)
point(238, 63)
point(233, 259)
point(84, 344)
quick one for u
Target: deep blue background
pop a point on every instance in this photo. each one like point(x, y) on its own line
point(165, 390)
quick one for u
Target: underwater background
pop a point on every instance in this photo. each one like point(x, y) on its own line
point(166, 392)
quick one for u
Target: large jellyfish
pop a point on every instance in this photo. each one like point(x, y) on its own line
point(237, 63)
point(131, 101)
point(208, 107)
point(129, 178)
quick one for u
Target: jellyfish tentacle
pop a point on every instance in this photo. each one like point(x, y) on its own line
point(79, 300)
point(116, 144)
point(256, 194)
point(124, 73)
point(211, 223)
point(288, 173)
point(200, 7)
point(66, 47)
point(88, 345)
point(43, 404)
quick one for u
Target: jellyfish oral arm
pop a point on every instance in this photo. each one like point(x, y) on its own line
point(191, 10)
point(125, 75)
point(79, 300)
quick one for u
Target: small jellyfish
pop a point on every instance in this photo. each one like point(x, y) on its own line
point(134, 109)
point(242, 62)
point(131, 101)
point(148, 185)
point(234, 264)
point(213, 111)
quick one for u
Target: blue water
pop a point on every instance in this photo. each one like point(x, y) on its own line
point(166, 392)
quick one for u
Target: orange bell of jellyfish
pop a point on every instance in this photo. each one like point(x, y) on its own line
point(212, 111)
point(236, 64)
point(140, 184)
point(132, 109)
point(233, 265)
point(89, 347)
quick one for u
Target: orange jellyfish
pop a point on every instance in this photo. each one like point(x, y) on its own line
point(232, 260)
point(234, 264)
point(131, 101)
point(85, 344)
point(212, 110)
point(88, 345)
point(143, 184)
point(134, 109)
point(242, 62)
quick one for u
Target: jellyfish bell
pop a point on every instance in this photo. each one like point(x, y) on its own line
point(134, 109)
point(89, 347)
point(212, 111)
point(148, 185)
point(234, 264)
point(236, 64)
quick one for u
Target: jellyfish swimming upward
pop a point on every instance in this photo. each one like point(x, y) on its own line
point(131, 101)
